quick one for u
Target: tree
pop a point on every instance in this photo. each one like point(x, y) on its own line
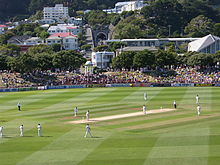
point(124, 60)
point(40, 49)
point(56, 47)
point(68, 60)
point(199, 26)
point(164, 13)
point(3, 62)
point(10, 50)
point(165, 58)
point(131, 27)
point(101, 48)
point(201, 59)
point(143, 59)
point(44, 61)
point(97, 17)
point(216, 29)
point(26, 63)
point(86, 47)
point(5, 37)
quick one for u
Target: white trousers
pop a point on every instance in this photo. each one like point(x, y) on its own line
point(88, 132)
point(39, 133)
point(21, 133)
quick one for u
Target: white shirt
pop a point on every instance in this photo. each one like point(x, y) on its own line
point(198, 108)
point(39, 127)
point(87, 127)
point(144, 108)
point(174, 102)
point(87, 113)
point(21, 128)
point(76, 109)
point(1, 128)
point(19, 104)
point(197, 98)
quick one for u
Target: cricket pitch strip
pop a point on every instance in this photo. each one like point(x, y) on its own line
point(112, 117)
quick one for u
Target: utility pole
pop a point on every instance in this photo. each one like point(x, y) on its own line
point(169, 29)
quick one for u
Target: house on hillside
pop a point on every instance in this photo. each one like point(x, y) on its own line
point(61, 28)
point(34, 41)
point(126, 6)
point(67, 40)
point(102, 59)
point(18, 40)
point(207, 44)
point(3, 29)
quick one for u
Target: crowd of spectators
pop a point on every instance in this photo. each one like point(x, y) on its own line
point(182, 75)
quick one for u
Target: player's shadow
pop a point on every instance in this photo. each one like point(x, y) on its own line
point(47, 136)
point(96, 137)
point(7, 137)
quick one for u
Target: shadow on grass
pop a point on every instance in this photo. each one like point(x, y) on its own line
point(7, 137)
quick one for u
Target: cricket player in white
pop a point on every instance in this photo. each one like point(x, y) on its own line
point(88, 130)
point(75, 111)
point(1, 131)
point(39, 130)
point(21, 130)
point(198, 110)
point(19, 106)
point(145, 96)
point(87, 115)
point(174, 104)
point(197, 99)
point(144, 109)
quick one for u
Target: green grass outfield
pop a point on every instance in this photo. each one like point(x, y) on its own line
point(172, 138)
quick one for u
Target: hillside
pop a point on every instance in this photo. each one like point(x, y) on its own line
point(23, 8)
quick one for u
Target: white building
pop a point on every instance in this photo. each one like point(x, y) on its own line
point(3, 29)
point(153, 42)
point(75, 21)
point(33, 41)
point(62, 28)
point(126, 6)
point(102, 59)
point(207, 44)
point(68, 41)
point(59, 12)
point(47, 21)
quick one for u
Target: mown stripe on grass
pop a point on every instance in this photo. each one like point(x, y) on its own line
point(70, 147)
point(31, 99)
point(121, 148)
point(179, 147)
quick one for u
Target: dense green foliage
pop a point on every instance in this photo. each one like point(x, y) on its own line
point(39, 57)
point(163, 59)
point(170, 18)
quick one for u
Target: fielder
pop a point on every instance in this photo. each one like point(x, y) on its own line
point(174, 104)
point(88, 131)
point(19, 106)
point(39, 130)
point(197, 99)
point(1, 131)
point(22, 130)
point(75, 111)
point(144, 109)
point(198, 110)
point(145, 96)
point(87, 115)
